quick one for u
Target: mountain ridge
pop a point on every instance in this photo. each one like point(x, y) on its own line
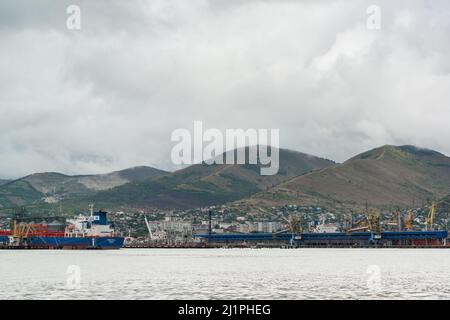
point(51, 187)
point(384, 176)
point(209, 184)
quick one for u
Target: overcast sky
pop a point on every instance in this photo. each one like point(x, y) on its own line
point(108, 96)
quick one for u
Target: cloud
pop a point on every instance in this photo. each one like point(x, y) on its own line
point(108, 96)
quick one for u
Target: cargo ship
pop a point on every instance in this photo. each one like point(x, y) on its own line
point(366, 232)
point(400, 239)
point(84, 232)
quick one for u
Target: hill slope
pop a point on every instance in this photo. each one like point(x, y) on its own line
point(444, 204)
point(18, 193)
point(52, 187)
point(202, 184)
point(384, 176)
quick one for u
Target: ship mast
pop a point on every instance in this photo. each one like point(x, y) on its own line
point(91, 210)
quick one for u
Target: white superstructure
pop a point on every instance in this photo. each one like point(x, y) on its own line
point(94, 225)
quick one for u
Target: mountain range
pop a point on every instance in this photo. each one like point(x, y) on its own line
point(385, 176)
point(52, 187)
point(202, 184)
point(382, 177)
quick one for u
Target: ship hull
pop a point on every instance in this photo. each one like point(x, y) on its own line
point(337, 239)
point(103, 243)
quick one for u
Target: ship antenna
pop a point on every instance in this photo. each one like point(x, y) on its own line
point(91, 209)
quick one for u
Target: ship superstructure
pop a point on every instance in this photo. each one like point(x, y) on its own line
point(94, 225)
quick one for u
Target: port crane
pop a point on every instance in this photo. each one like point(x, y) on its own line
point(23, 226)
point(293, 223)
point(409, 221)
point(148, 228)
point(21, 231)
point(370, 222)
point(294, 227)
point(431, 216)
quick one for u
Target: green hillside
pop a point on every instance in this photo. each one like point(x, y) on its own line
point(49, 189)
point(202, 184)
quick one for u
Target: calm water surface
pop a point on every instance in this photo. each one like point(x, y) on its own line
point(226, 274)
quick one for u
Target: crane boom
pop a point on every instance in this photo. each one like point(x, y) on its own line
point(148, 227)
point(431, 216)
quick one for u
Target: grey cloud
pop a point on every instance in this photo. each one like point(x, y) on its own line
point(108, 96)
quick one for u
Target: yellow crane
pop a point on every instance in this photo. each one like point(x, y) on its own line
point(374, 221)
point(294, 224)
point(21, 230)
point(431, 216)
point(370, 222)
point(409, 221)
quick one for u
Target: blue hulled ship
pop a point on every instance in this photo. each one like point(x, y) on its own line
point(84, 232)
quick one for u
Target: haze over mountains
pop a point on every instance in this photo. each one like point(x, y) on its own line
point(381, 177)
